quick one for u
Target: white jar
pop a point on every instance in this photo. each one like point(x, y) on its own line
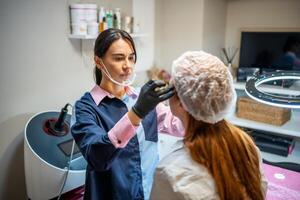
point(93, 28)
point(77, 13)
point(91, 12)
point(79, 28)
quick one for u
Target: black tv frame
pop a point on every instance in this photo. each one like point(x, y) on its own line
point(252, 42)
point(262, 49)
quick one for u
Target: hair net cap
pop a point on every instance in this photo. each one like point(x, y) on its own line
point(204, 86)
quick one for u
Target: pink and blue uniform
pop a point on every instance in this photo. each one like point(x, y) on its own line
point(121, 157)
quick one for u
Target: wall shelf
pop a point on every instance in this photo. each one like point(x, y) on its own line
point(93, 37)
point(290, 128)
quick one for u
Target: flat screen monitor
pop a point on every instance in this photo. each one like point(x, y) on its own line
point(267, 50)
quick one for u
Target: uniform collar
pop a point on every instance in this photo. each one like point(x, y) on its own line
point(98, 93)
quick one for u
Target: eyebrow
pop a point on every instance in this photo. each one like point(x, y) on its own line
point(121, 54)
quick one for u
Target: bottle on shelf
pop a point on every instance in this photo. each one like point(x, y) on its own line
point(115, 21)
point(101, 14)
point(128, 24)
point(102, 25)
point(109, 19)
point(118, 18)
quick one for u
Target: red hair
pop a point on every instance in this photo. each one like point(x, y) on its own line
point(229, 154)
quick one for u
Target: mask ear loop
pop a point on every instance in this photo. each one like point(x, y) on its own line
point(124, 84)
point(105, 70)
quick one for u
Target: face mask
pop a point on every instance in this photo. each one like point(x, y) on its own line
point(125, 83)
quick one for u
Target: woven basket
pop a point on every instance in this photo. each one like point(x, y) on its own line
point(253, 110)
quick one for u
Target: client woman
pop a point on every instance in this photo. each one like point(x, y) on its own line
point(216, 159)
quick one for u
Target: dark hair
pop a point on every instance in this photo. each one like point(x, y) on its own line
point(104, 41)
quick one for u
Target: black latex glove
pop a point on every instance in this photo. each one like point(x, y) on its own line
point(151, 94)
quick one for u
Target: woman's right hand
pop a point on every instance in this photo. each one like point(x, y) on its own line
point(152, 93)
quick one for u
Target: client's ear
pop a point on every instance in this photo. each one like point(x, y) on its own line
point(184, 114)
point(180, 105)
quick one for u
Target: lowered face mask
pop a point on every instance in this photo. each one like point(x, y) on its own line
point(125, 83)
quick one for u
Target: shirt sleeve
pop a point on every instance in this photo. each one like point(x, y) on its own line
point(122, 132)
point(97, 146)
point(167, 122)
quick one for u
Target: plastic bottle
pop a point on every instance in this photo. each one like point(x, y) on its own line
point(118, 15)
point(115, 21)
point(101, 14)
point(109, 19)
point(102, 25)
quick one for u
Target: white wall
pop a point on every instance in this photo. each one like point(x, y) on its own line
point(214, 26)
point(144, 15)
point(143, 12)
point(260, 15)
point(40, 69)
point(188, 25)
point(179, 28)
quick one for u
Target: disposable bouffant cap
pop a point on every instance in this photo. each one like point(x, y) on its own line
point(204, 86)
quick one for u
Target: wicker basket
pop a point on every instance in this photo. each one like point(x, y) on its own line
point(253, 110)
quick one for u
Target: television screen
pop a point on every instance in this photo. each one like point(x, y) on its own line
point(270, 51)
